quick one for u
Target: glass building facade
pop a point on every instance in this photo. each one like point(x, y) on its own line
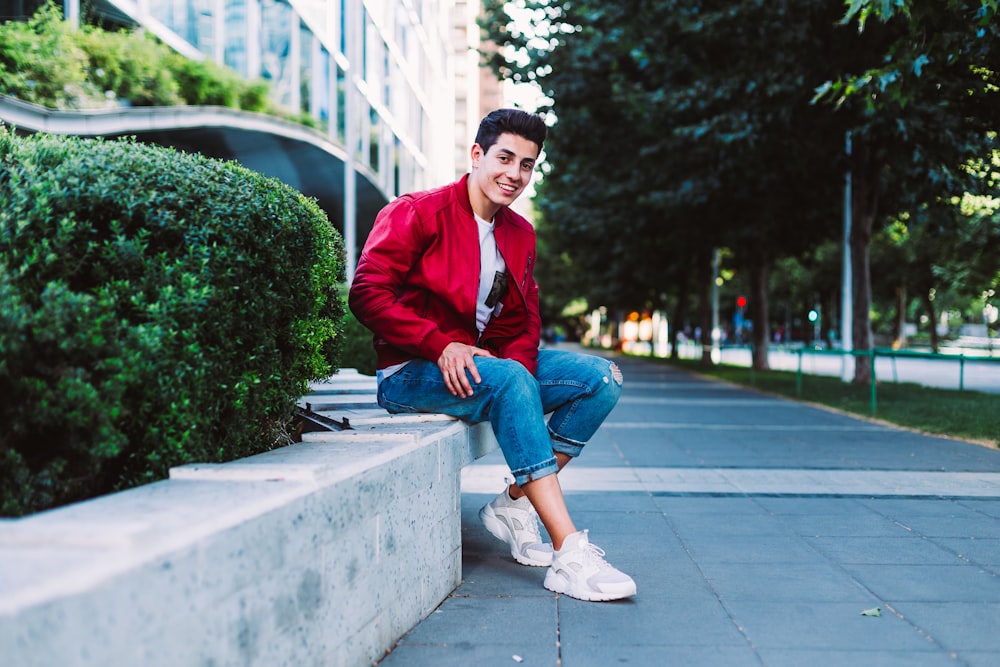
point(375, 75)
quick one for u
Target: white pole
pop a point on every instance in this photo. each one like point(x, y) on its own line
point(354, 30)
point(219, 31)
point(295, 63)
point(71, 12)
point(847, 281)
point(716, 352)
point(255, 47)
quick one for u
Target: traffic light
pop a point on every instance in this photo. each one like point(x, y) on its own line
point(741, 301)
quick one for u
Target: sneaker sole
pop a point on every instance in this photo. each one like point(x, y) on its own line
point(559, 584)
point(499, 530)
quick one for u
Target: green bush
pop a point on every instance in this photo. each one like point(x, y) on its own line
point(129, 66)
point(49, 62)
point(42, 62)
point(203, 82)
point(156, 308)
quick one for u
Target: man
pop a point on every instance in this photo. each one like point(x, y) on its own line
point(445, 282)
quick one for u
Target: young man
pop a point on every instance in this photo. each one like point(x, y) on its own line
point(445, 282)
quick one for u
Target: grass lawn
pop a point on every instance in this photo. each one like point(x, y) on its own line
point(966, 415)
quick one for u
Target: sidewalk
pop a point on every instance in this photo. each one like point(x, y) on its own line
point(757, 529)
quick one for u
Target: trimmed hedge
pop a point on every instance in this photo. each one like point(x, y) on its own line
point(156, 308)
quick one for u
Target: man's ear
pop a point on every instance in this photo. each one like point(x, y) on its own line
point(477, 154)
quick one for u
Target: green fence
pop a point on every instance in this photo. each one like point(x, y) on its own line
point(892, 354)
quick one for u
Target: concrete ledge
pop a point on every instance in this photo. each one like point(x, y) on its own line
point(320, 553)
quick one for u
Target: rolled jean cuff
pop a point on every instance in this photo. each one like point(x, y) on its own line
point(567, 447)
point(537, 471)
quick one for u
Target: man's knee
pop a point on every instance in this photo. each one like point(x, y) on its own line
point(613, 382)
point(610, 376)
point(616, 374)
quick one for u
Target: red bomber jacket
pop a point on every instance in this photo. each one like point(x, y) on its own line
point(417, 281)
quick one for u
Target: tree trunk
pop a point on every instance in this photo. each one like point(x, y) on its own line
point(865, 177)
point(932, 315)
point(900, 328)
point(706, 280)
point(758, 306)
point(680, 311)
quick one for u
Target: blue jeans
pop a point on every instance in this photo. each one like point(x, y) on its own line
point(578, 389)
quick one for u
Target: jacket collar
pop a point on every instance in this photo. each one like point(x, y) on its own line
point(466, 203)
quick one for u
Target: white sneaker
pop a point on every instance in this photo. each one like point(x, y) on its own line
point(580, 571)
point(516, 523)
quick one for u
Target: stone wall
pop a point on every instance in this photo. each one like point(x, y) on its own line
point(323, 552)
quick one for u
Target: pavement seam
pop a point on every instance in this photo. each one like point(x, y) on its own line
point(992, 569)
point(711, 586)
point(857, 582)
point(558, 632)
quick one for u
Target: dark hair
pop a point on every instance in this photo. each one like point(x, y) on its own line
point(510, 121)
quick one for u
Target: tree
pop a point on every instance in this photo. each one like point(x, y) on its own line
point(927, 109)
point(946, 252)
point(692, 124)
point(682, 126)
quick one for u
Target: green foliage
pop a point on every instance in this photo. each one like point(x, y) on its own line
point(254, 97)
point(41, 61)
point(723, 124)
point(711, 139)
point(156, 308)
point(129, 65)
point(47, 61)
point(356, 349)
point(203, 82)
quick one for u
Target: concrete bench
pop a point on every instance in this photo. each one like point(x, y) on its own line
point(324, 552)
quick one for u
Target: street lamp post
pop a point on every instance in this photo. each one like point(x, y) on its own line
point(715, 353)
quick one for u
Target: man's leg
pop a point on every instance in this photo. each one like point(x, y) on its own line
point(580, 390)
point(508, 397)
point(547, 498)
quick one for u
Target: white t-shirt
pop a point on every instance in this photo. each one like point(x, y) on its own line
point(492, 280)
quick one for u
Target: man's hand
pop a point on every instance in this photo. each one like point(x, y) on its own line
point(454, 361)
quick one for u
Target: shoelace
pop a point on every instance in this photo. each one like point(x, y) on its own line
point(594, 555)
point(532, 525)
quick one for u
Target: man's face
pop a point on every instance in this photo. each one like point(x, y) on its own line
point(503, 172)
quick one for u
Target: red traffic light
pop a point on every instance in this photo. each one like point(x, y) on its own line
point(741, 301)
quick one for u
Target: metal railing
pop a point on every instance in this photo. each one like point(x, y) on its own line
point(873, 354)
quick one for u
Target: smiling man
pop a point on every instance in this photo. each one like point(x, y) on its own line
point(446, 284)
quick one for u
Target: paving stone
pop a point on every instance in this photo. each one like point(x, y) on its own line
point(757, 531)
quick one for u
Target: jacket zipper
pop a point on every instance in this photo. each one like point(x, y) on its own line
point(527, 269)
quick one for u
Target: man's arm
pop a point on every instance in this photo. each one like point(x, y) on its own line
point(394, 246)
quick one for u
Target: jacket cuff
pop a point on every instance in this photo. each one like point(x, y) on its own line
point(433, 346)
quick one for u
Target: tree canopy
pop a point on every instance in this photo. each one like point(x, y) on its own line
point(687, 125)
